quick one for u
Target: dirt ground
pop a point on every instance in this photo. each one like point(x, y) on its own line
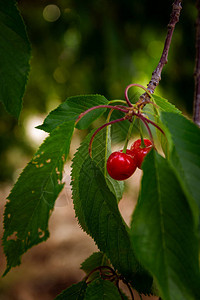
point(52, 266)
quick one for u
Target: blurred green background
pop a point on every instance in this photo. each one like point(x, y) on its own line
point(85, 47)
point(99, 46)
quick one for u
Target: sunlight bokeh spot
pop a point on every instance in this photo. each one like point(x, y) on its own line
point(34, 135)
point(51, 13)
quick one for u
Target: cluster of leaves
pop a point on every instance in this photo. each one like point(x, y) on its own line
point(159, 252)
point(160, 247)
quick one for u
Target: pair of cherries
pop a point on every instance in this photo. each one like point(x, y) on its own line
point(121, 166)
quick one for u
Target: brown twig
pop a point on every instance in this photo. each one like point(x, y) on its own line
point(196, 107)
point(156, 75)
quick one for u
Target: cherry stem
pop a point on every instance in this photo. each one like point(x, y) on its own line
point(142, 140)
point(121, 108)
point(100, 128)
point(126, 96)
point(151, 122)
point(128, 136)
point(107, 120)
point(138, 85)
point(119, 101)
point(149, 130)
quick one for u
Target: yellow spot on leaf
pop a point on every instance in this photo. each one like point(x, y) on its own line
point(57, 172)
point(12, 236)
point(41, 232)
point(48, 160)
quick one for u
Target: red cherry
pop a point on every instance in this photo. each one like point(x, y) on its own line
point(140, 152)
point(121, 166)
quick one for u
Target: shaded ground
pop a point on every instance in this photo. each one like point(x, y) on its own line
point(50, 267)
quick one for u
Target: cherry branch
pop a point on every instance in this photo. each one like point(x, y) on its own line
point(196, 107)
point(174, 18)
point(156, 75)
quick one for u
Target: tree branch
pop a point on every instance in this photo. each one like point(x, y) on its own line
point(196, 107)
point(156, 75)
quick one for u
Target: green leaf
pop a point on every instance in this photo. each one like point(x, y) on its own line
point(14, 57)
point(184, 137)
point(95, 260)
point(100, 153)
point(72, 108)
point(106, 226)
point(101, 150)
point(74, 292)
point(163, 234)
point(32, 198)
point(165, 105)
point(102, 290)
